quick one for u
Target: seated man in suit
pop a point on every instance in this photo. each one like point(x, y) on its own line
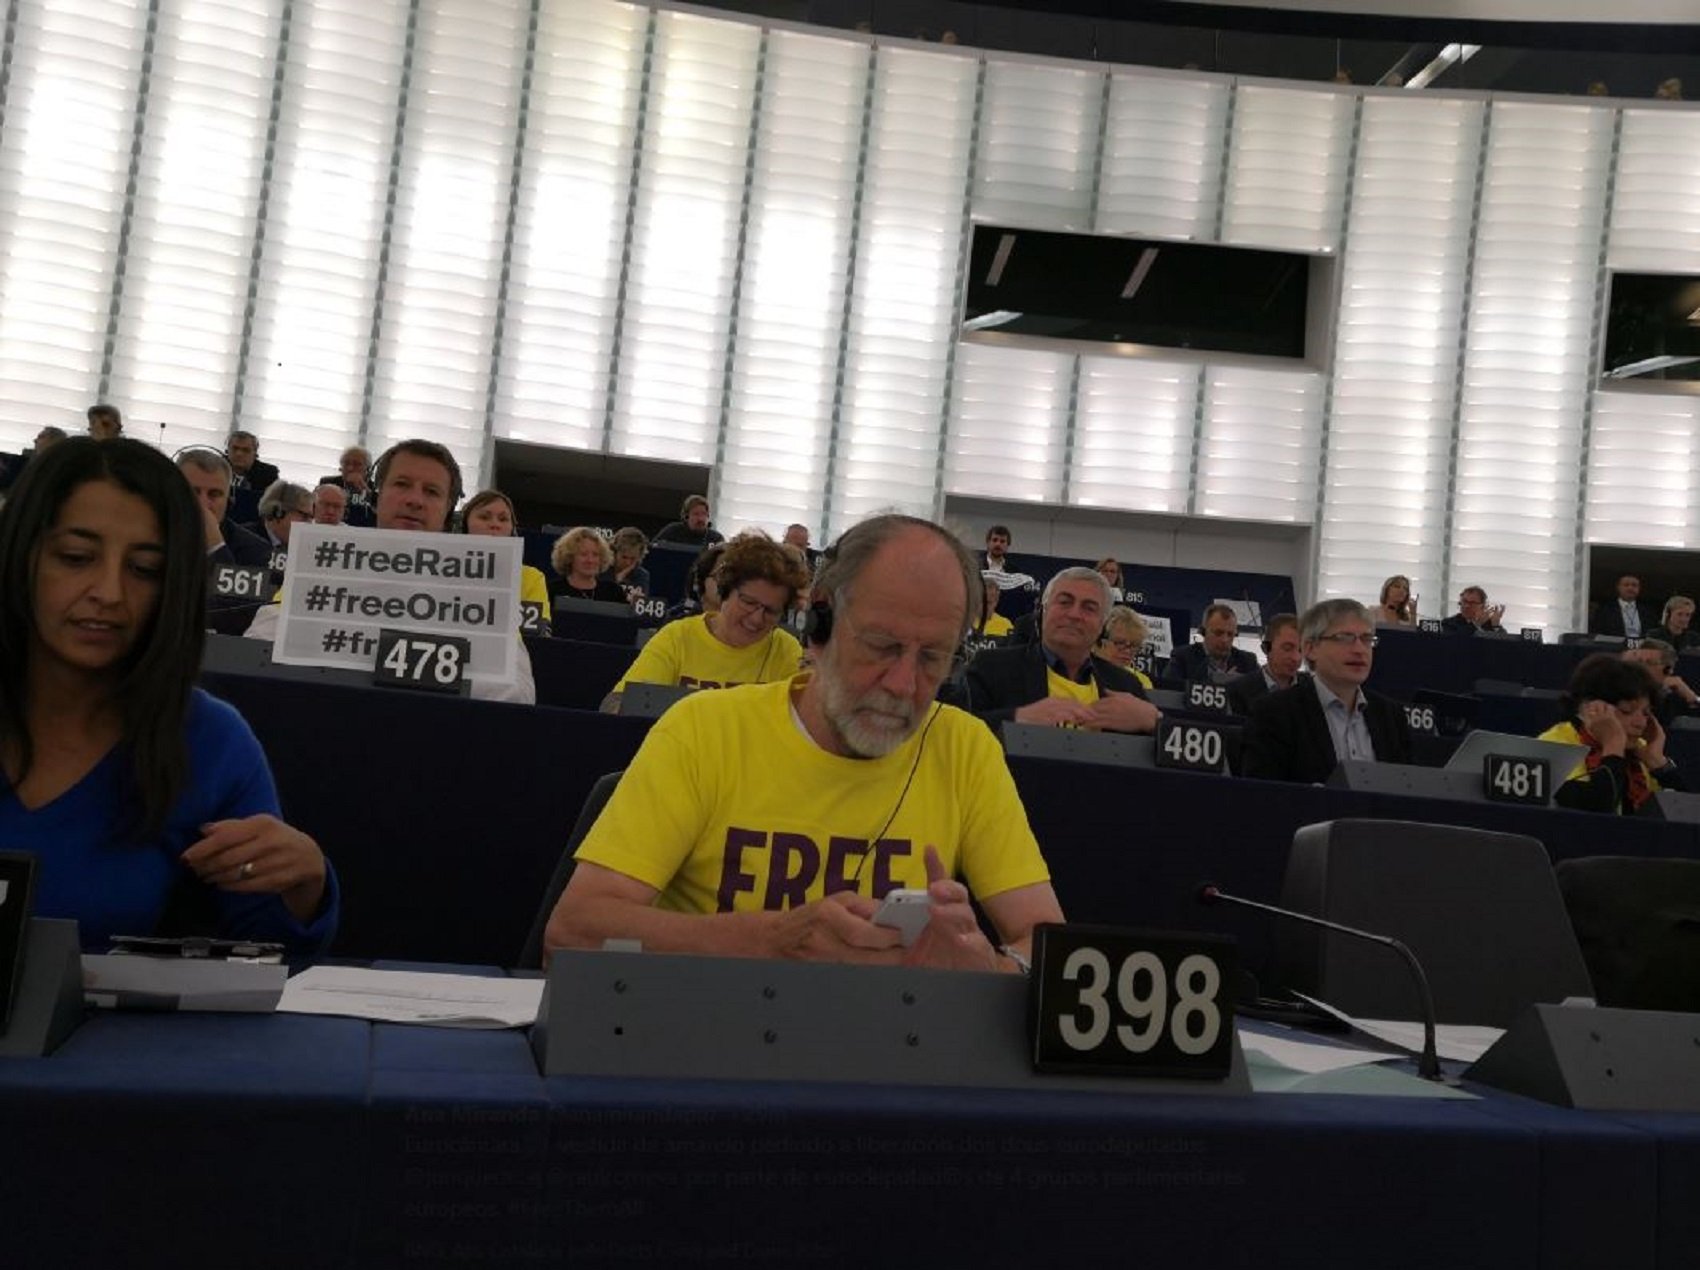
point(208, 474)
point(768, 820)
point(1057, 681)
point(1215, 660)
point(246, 466)
point(1281, 670)
point(1474, 614)
point(1674, 697)
point(1301, 733)
point(1624, 615)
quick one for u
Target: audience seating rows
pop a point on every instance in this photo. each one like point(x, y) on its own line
point(446, 818)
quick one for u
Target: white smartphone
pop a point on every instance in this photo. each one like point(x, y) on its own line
point(905, 910)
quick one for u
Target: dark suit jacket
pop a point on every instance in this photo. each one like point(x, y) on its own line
point(1191, 665)
point(241, 546)
point(1608, 618)
point(1247, 690)
point(1287, 738)
point(259, 477)
point(999, 681)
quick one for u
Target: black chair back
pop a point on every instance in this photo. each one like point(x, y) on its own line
point(1481, 911)
point(1638, 922)
point(531, 954)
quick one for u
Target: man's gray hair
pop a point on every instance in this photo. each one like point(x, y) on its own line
point(284, 496)
point(841, 563)
point(206, 459)
point(1323, 614)
point(1666, 652)
point(1080, 573)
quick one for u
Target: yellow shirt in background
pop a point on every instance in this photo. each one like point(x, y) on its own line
point(686, 652)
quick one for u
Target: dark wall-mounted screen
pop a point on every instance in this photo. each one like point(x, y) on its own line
point(1136, 291)
point(1653, 328)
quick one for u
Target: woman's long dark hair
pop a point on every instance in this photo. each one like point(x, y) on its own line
point(152, 691)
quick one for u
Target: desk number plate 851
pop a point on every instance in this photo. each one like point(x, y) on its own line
point(1116, 1002)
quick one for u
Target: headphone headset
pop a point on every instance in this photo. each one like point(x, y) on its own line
point(818, 623)
point(191, 451)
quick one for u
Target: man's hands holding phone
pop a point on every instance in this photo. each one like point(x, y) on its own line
point(935, 927)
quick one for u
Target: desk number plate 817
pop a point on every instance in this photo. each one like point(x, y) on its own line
point(1115, 1002)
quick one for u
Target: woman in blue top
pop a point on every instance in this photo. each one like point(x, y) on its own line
point(121, 777)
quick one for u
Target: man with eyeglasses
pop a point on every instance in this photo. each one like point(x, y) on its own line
point(1302, 733)
point(768, 820)
point(742, 642)
point(1474, 614)
point(1057, 682)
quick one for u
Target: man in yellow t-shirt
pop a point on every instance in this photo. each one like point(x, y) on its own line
point(768, 820)
point(742, 642)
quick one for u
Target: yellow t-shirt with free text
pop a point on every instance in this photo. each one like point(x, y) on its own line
point(686, 652)
point(533, 588)
point(997, 624)
point(729, 807)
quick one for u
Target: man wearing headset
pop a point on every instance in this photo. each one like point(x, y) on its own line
point(1214, 659)
point(768, 820)
point(419, 485)
point(282, 507)
point(1286, 659)
point(1056, 681)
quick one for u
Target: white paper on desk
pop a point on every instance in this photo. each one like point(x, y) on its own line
point(1455, 1042)
point(402, 996)
point(1309, 1057)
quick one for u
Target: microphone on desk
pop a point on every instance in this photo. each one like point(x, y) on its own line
point(1428, 1064)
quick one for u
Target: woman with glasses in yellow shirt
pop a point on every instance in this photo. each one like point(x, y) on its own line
point(741, 643)
point(1124, 635)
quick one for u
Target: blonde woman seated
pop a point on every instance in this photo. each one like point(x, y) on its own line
point(581, 556)
point(1398, 607)
point(741, 643)
point(1109, 568)
point(1123, 636)
point(992, 623)
point(1676, 627)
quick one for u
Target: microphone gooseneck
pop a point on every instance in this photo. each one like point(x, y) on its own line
point(1428, 1064)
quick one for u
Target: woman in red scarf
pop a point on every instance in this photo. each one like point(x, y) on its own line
point(1609, 702)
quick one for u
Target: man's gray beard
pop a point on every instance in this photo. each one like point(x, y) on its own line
point(861, 739)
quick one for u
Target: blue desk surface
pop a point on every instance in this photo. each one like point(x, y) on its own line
point(302, 1142)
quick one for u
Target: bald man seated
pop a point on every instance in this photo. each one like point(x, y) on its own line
point(769, 820)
